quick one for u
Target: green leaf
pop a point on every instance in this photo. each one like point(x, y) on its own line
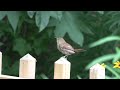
point(45, 16)
point(68, 25)
point(31, 13)
point(60, 29)
point(78, 76)
point(13, 17)
point(56, 14)
point(50, 31)
point(107, 77)
point(113, 71)
point(104, 40)
point(38, 18)
point(82, 24)
point(77, 37)
point(117, 56)
point(101, 12)
point(84, 28)
point(44, 76)
point(42, 19)
point(21, 46)
point(74, 31)
point(53, 22)
point(2, 14)
point(100, 60)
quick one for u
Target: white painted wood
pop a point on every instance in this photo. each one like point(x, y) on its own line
point(97, 72)
point(62, 69)
point(27, 67)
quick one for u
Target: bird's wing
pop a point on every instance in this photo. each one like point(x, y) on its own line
point(67, 46)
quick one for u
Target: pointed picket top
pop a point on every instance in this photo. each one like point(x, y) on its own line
point(97, 72)
point(62, 60)
point(27, 67)
point(62, 69)
point(97, 66)
point(28, 57)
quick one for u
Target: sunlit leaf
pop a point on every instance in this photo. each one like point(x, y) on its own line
point(78, 76)
point(42, 19)
point(86, 30)
point(107, 77)
point(45, 16)
point(77, 37)
point(53, 22)
point(101, 12)
point(2, 14)
point(44, 76)
point(38, 18)
point(104, 40)
point(31, 13)
point(117, 56)
point(100, 60)
point(68, 25)
point(13, 17)
point(56, 14)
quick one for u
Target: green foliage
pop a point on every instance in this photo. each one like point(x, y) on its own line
point(31, 13)
point(69, 25)
point(101, 12)
point(13, 17)
point(2, 14)
point(21, 46)
point(79, 77)
point(42, 19)
point(114, 57)
point(108, 67)
point(34, 32)
point(41, 76)
point(44, 76)
point(105, 40)
point(117, 55)
point(100, 60)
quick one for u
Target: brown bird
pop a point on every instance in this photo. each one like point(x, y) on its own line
point(65, 48)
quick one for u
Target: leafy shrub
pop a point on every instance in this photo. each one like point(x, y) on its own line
point(34, 32)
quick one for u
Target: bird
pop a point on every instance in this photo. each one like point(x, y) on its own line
point(65, 48)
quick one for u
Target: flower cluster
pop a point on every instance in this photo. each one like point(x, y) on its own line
point(117, 65)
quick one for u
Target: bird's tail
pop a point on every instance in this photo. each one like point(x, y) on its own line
point(79, 50)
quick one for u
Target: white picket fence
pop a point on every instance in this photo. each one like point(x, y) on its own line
point(62, 68)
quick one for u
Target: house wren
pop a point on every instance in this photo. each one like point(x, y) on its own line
point(65, 48)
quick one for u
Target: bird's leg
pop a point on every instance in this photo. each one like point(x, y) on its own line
point(65, 56)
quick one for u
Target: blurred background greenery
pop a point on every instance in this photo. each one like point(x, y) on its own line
point(34, 32)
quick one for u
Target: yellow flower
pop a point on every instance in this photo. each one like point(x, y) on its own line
point(117, 64)
point(103, 65)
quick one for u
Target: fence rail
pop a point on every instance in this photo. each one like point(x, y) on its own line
point(62, 68)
